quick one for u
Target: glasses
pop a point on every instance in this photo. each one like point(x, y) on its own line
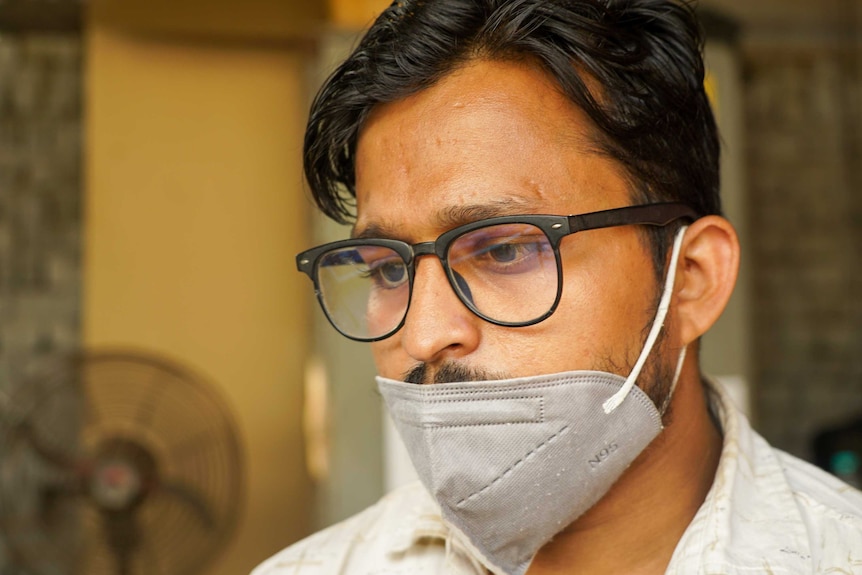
point(506, 269)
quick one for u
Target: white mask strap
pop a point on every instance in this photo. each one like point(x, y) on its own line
point(616, 399)
point(676, 375)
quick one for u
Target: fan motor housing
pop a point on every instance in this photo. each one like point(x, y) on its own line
point(124, 472)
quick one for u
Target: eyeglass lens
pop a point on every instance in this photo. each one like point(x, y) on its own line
point(506, 273)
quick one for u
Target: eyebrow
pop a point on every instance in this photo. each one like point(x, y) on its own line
point(452, 217)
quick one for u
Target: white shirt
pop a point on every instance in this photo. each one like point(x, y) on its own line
point(767, 512)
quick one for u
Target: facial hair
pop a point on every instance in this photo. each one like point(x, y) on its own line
point(449, 372)
point(655, 378)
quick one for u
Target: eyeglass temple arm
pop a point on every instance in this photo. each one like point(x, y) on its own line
point(649, 214)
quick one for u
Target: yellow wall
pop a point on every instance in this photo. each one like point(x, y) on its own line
point(355, 14)
point(250, 20)
point(194, 211)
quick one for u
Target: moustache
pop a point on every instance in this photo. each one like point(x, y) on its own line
point(449, 372)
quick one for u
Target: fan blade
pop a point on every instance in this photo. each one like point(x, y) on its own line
point(78, 465)
point(191, 499)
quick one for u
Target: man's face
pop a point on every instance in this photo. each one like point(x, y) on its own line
point(496, 138)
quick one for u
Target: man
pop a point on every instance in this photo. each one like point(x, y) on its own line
point(537, 249)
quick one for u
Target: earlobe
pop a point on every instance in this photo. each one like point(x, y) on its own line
point(708, 267)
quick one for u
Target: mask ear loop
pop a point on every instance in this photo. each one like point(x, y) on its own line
point(676, 375)
point(664, 304)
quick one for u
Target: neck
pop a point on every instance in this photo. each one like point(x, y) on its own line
point(635, 528)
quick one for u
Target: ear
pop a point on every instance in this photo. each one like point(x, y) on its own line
point(706, 274)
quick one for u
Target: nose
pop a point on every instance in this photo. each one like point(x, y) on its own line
point(438, 326)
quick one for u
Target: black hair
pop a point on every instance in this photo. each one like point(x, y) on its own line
point(635, 67)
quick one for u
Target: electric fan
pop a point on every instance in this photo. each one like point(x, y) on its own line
point(116, 464)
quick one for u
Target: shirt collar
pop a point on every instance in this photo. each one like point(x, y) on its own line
point(750, 507)
point(422, 520)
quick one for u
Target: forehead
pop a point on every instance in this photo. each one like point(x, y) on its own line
point(490, 138)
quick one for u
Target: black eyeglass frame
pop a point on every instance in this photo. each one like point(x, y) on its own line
point(554, 227)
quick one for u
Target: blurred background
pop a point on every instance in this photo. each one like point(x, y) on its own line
point(152, 202)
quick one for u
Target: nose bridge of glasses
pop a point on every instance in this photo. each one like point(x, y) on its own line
point(425, 249)
point(435, 249)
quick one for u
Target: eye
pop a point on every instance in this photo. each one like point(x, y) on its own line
point(501, 249)
point(390, 274)
point(386, 273)
point(511, 255)
point(504, 253)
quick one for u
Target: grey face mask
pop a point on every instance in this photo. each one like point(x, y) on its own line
point(513, 462)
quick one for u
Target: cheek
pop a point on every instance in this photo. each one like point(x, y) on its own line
point(579, 329)
point(389, 358)
point(607, 293)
